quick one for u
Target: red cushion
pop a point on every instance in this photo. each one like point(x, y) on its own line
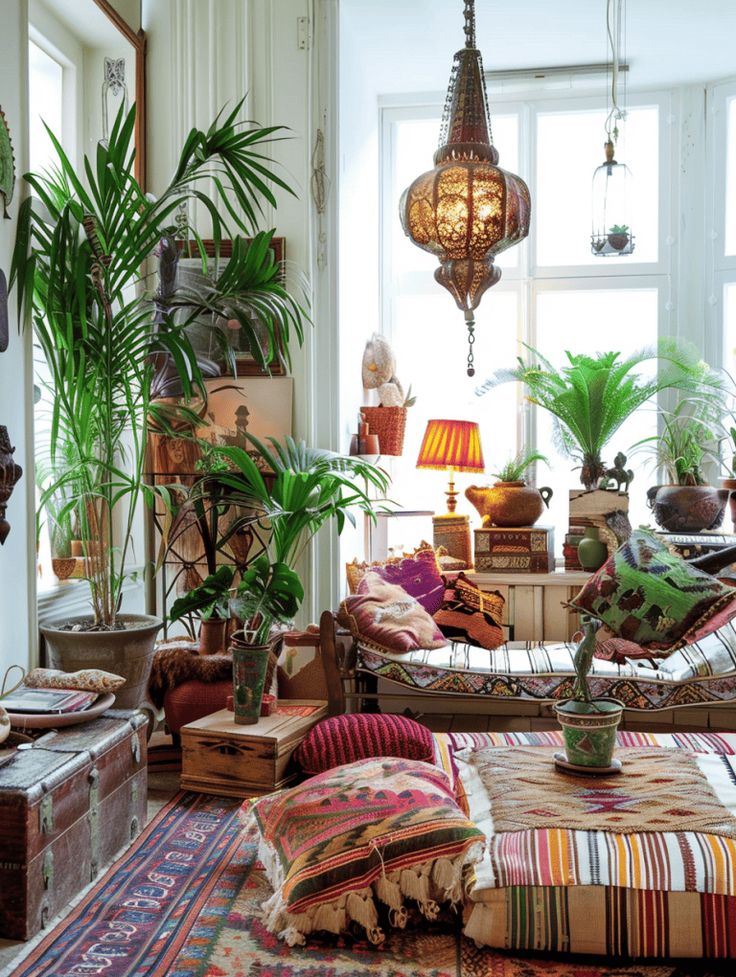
point(359, 736)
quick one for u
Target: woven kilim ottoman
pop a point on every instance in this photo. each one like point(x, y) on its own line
point(641, 863)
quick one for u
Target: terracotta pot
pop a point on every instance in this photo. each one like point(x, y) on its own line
point(589, 730)
point(730, 484)
point(212, 636)
point(128, 652)
point(687, 508)
point(509, 504)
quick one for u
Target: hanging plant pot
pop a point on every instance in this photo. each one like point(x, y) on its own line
point(687, 508)
point(389, 423)
point(618, 241)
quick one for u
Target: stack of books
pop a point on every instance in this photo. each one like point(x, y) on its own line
point(529, 549)
point(48, 701)
point(690, 545)
point(570, 547)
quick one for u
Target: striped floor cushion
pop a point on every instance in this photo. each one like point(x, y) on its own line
point(646, 894)
point(700, 673)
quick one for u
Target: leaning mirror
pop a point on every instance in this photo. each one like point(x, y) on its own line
point(86, 58)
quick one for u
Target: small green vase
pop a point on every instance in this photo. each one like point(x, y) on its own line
point(250, 664)
point(592, 551)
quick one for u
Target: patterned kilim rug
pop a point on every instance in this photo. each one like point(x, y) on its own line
point(184, 902)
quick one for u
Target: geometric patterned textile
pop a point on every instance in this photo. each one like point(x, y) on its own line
point(344, 739)
point(645, 593)
point(646, 893)
point(210, 923)
point(659, 790)
point(375, 832)
point(703, 672)
point(469, 614)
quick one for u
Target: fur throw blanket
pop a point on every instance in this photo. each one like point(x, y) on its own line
point(175, 664)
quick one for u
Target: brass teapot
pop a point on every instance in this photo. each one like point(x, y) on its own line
point(509, 504)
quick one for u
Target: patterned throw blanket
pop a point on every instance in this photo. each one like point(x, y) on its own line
point(658, 790)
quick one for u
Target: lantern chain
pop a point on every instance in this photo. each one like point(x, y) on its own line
point(469, 12)
point(470, 322)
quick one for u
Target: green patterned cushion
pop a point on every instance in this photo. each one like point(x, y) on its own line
point(646, 594)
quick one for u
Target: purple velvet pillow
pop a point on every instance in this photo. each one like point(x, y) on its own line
point(419, 576)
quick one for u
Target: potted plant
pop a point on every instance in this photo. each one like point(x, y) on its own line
point(686, 503)
point(211, 602)
point(283, 495)
point(588, 723)
point(510, 501)
point(592, 396)
point(618, 236)
point(79, 272)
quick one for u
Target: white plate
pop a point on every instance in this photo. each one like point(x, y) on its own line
point(55, 720)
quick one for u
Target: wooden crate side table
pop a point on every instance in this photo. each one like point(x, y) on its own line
point(220, 757)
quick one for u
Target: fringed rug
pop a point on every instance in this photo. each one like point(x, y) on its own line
point(184, 902)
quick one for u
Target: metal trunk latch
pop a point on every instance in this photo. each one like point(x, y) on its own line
point(46, 814)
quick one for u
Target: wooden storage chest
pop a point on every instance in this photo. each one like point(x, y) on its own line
point(220, 757)
point(68, 803)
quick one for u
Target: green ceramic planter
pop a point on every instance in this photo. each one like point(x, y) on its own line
point(589, 730)
point(592, 551)
point(250, 664)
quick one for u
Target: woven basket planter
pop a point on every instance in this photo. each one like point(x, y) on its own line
point(389, 423)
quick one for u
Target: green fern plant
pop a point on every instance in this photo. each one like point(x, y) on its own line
point(591, 396)
point(516, 468)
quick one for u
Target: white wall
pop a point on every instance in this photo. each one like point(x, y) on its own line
point(17, 556)
point(204, 53)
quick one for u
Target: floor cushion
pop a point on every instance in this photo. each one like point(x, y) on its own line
point(643, 893)
point(703, 672)
point(382, 833)
point(194, 699)
point(360, 736)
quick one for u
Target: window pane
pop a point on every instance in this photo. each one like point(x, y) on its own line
point(44, 105)
point(429, 342)
point(415, 141)
point(729, 327)
point(731, 178)
point(625, 320)
point(569, 148)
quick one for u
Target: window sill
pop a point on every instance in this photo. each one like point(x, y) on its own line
point(71, 597)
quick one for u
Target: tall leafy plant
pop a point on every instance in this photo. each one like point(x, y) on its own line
point(290, 493)
point(591, 396)
point(79, 269)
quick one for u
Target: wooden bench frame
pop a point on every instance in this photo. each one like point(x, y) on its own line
point(349, 689)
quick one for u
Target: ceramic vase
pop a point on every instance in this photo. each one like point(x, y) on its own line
point(589, 731)
point(212, 636)
point(250, 664)
point(592, 551)
point(687, 508)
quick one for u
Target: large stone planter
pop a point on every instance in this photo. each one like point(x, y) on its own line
point(128, 652)
point(687, 508)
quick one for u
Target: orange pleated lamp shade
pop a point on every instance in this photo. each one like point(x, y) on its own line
point(451, 444)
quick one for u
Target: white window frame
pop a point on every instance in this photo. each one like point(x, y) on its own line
point(720, 268)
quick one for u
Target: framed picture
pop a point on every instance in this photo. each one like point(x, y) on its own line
point(201, 332)
point(260, 406)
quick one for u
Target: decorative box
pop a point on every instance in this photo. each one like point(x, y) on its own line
point(453, 532)
point(529, 549)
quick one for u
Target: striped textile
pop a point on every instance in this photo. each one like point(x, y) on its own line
point(700, 673)
point(653, 894)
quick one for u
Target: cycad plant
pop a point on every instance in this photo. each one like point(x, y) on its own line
point(592, 396)
point(289, 493)
point(79, 268)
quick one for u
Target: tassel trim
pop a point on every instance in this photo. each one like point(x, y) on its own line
point(430, 885)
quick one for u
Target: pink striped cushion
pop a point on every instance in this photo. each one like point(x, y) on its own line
point(359, 736)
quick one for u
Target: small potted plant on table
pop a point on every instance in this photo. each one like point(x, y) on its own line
point(510, 502)
point(589, 724)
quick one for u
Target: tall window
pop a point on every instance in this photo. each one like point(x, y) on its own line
point(554, 293)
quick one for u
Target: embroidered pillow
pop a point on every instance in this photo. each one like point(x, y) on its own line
point(648, 595)
point(387, 618)
point(469, 614)
point(620, 651)
point(85, 680)
point(385, 832)
point(360, 736)
point(418, 573)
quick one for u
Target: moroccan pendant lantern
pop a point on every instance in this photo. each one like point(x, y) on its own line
point(467, 209)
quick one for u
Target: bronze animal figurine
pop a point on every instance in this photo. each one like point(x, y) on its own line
point(618, 474)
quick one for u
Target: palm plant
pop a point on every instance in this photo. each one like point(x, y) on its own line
point(687, 440)
point(79, 269)
point(592, 396)
point(301, 489)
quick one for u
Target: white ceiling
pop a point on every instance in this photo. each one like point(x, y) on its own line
point(409, 44)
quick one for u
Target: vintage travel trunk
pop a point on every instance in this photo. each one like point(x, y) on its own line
point(529, 549)
point(68, 803)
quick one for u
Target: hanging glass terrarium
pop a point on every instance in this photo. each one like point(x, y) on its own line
point(611, 233)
